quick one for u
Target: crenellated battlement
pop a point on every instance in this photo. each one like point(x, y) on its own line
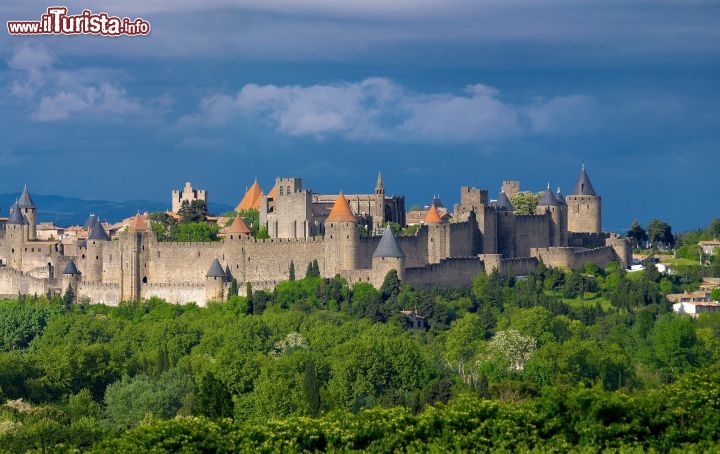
point(481, 235)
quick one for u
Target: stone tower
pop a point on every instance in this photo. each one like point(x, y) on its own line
point(437, 235)
point(584, 206)
point(341, 238)
point(16, 233)
point(187, 194)
point(387, 256)
point(71, 277)
point(238, 230)
point(506, 225)
point(548, 204)
point(511, 187)
point(378, 214)
point(133, 258)
point(96, 240)
point(28, 209)
point(215, 281)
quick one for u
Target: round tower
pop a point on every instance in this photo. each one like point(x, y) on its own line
point(97, 237)
point(28, 209)
point(341, 238)
point(584, 207)
point(387, 256)
point(71, 277)
point(15, 235)
point(215, 281)
point(549, 204)
point(437, 235)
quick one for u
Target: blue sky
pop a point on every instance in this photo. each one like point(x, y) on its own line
point(435, 94)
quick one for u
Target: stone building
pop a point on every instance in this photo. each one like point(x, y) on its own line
point(289, 211)
point(481, 236)
point(187, 194)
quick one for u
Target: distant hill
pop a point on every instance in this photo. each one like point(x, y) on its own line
point(66, 211)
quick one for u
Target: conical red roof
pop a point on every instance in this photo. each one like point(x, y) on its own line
point(341, 211)
point(432, 216)
point(239, 226)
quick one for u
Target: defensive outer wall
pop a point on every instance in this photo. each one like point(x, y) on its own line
point(483, 236)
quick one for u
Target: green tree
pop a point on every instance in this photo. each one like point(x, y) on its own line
point(715, 294)
point(462, 343)
point(69, 296)
point(195, 211)
point(316, 268)
point(214, 399)
point(197, 231)
point(251, 218)
point(390, 286)
point(659, 232)
point(714, 228)
point(675, 344)
point(233, 289)
point(525, 202)
point(311, 386)
point(262, 233)
point(129, 400)
point(394, 226)
point(164, 226)
point(292, 270)
point(637, 234)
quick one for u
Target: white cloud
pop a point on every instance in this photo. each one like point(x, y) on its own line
point(378, 109)
point(57, 94)
point(32, 61)
point(105, 98)
point(478, 116)
point(563, 114)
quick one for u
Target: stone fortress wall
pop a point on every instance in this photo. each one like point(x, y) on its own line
point(482, 236)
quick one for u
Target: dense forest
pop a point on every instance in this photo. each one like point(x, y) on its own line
point(557, 360)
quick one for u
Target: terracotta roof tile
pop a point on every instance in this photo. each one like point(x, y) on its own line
point(251, 200)
point(432, 216)
point(138, 224)
point(238, 226)
point(341, 211)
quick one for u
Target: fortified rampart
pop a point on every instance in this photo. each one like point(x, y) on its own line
point(450, 272)
point(567, 257)
point(483, 235)
point(14, 282)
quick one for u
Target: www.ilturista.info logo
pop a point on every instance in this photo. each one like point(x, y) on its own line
point(57, 22)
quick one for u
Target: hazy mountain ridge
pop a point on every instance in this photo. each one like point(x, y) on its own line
point(66, 211)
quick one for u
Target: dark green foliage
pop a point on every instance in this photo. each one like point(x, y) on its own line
point(292, 271)
point(69, 296)
point(659, 232)
point(233, 289)
point(213, 398)
point(682, 416)
point(192, 212)
point(311, 386)
point(129, 400)
point(164, 226)
point(390, 286)
point(313, 269)
point(637, 235)
point(318, 365)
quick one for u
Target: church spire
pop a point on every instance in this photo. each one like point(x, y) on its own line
point(379, 186)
